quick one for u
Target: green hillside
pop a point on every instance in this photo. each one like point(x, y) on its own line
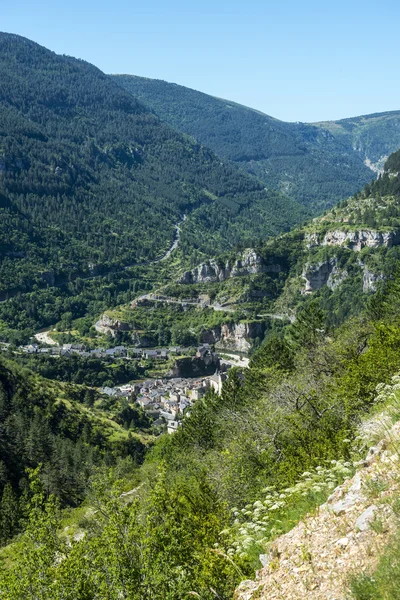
point(308, 163)
point(65, 429)
point(91, 181)
point(338, 259)
point(373, 137)
point(245, 467)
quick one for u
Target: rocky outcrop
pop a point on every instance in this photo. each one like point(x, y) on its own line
point(235, 336)
point(195, 366)
point(248, 262)
point(240, 336)
point(322, 273)
point(209, 272)
point(370, 279)
point(354, 240)
point(111, 326)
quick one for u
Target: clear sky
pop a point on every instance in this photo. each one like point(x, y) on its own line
point(297, 60)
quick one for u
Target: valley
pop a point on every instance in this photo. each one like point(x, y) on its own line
point(199, 343)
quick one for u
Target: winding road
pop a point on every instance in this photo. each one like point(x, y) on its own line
point(166, 255)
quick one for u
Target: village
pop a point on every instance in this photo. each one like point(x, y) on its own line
point(168, 401)
point(165, 400)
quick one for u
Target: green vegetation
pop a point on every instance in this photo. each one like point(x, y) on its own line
point(374, 136)
point(185, 515)
point(88, 176)
point(65, 429)
point(317, 165)
point(81, 370)
point(297, 407)
point(165, 324)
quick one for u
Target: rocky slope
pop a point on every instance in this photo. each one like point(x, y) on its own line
point(345, 537)
point(235, 336)
point(355, 240)
point(230, 336)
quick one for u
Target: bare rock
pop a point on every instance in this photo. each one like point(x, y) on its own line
point(365, 518)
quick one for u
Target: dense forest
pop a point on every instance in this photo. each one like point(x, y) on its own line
point(88, 175)
point(373, 136)
point(55, 426)
point(315, 164)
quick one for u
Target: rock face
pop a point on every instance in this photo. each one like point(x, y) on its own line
point(370, 279)
point(355, 240)
point(195, 367)
point(208, 272)
point(248, 262)
point(111, 326)
point(322, 273)
point(236, 336)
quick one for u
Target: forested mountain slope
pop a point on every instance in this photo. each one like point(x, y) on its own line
point(247, 464)
point(340, 258)
point(90, 179)
point(245, 467)
point(317, 165)
point(374, 137)
point(60, 427)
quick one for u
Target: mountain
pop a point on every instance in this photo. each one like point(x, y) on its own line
point(374, 137)
point(91, 181)
point(315, 164)
point(237, 299)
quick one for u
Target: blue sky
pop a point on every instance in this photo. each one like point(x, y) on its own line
point(295, 60)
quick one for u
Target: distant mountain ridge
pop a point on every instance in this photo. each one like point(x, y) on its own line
point(374, 137)
point(316, 164)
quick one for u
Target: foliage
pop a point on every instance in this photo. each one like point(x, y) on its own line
point(317, 165)
point(150, 551)
point(42, 424)
point(88, 175)
point(88, 371)
point(255, 525)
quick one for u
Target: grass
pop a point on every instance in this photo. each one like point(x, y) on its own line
point(384, 582)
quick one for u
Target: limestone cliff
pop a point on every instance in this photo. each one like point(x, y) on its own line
point(355, 240)
point(235, 336)
point(110, 326)
point(322, 273)
point(248, 262)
